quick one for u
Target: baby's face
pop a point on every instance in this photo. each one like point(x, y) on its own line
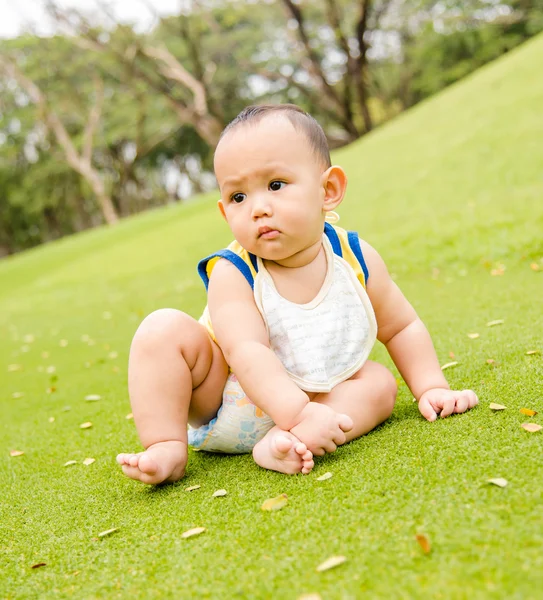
point(271, 184)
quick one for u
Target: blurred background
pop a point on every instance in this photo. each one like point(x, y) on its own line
point(112, 108)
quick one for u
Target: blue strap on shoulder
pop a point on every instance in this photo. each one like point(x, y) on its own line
point(334, 239)
point(236, 260)
point(354, 243)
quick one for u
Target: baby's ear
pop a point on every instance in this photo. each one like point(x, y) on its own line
point(221, 208)
point(334, 182)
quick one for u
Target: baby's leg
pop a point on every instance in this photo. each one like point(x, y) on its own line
point(176, 375)
point(368, 397)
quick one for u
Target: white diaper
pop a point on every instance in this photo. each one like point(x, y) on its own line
point(238, 426)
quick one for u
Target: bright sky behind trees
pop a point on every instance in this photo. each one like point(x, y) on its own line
point(15, 14)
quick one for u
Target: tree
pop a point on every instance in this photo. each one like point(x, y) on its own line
point(80, 159)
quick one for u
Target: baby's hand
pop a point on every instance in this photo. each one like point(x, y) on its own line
point(321, 428)
point(445, 403)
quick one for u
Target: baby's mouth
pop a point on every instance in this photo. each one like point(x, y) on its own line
point(268, 233)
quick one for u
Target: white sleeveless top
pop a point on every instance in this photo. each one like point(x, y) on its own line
point(327, 340)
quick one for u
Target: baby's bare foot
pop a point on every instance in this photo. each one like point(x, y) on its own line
point(161, 462)
point(281, 451)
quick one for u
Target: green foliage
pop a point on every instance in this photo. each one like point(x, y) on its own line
point(243, 52)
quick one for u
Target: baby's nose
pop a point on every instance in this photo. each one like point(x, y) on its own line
point(261, 206)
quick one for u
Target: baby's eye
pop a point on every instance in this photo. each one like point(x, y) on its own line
point(275, 186)
point(237, 198)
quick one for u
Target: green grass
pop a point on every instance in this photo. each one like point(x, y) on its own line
point(447, 192)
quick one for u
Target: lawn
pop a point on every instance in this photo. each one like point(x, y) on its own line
point(451, 194)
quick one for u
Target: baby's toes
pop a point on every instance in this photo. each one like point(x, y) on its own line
point(301, 449)
point(135, 473)
point(124, 459)
point(133, 460)
point(308, 455)
point(147, 465)
point(307, 466)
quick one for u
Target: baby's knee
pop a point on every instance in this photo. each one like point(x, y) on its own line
point(389, 390)
point(164, 326)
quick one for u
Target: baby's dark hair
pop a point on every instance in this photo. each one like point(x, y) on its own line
point(301, 121)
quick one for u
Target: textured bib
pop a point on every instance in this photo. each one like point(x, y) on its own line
point(327, 340)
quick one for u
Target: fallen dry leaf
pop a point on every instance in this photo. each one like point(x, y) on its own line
point(494, 406)
point(89, 461)
point(192, 532)
point(108, 532)
point(500, 482)
point(496, 322)
point(309, 597)
point(69, 463)
point(16, 452)
point(531, 427)
point(324, 477)
point(45, 354)
point(424, 542)
point(192, 487)
point(490, 361)
point(63, 343)
point(534, 266)
point(530, 352)
point(473, 336)
point(330, 563)
point(93, 397)
point(12, 368)
point(528, 412)
point(276, 503)
point(451, 355)
point(219, 493)
point(38, 565)
point(51, 419)
point(449, 365)
point(85, 425)
point(129, 416)
point(500, 270)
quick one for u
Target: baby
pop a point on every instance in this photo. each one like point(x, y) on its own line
point(277, 364)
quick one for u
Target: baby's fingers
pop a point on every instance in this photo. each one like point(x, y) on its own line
point(472, 396)
point(465, 400)
point(462, 403)
point(340, 438)
point(427, 410)
point(345, 422)
point(449, 405)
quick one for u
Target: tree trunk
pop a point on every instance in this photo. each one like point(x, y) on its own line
point(80, 162)
point(360, 74)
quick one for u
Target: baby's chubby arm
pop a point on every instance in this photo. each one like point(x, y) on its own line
point(409, 344)
point(242, 336)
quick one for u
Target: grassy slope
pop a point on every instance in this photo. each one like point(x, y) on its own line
point(445, 192)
